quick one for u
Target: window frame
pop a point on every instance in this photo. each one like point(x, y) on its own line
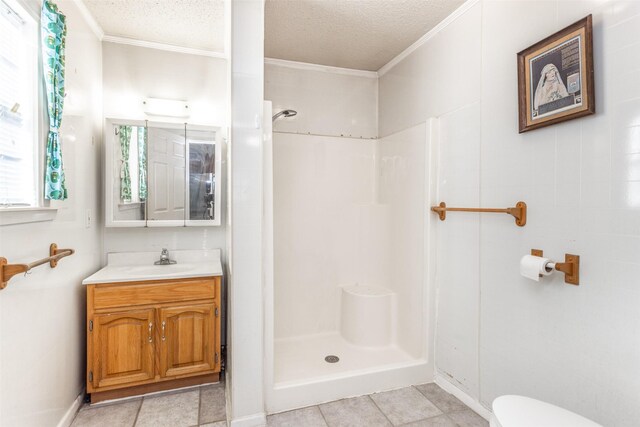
point(41, 210)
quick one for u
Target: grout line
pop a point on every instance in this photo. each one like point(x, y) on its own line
point(430, 418)
point(442, 411)
point(199, 404)
point(322, 414)
point(426, 397)
point(434, 404)
point(135, 421)
point(480, 195)
point(381, 411)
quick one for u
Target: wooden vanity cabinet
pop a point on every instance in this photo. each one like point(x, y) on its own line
point(152, 336)
point(123, 350)
point(184, 345)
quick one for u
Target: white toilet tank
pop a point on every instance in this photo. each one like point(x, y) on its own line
point(520, 411)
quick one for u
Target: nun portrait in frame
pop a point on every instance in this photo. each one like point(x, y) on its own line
point(550, 87)
point(556, 77)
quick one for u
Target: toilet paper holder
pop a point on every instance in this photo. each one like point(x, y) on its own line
point(570, 267)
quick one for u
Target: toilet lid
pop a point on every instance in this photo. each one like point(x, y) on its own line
point(520, 411)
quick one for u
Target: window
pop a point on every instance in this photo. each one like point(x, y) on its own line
point(18, 106)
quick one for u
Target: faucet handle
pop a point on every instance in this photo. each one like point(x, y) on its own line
point(165, 251)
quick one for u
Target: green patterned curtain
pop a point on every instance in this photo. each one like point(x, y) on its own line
point(53, 33)
point(125, 176)
point(142, 162)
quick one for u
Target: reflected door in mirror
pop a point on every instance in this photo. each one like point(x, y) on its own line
point(166, 174)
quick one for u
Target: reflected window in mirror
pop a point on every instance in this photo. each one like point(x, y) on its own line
point(131, 175)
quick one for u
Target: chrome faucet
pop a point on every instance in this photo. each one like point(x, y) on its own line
point(164, 258)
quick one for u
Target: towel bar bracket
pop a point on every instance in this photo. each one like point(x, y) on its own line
point(519, 211)
point(7, 271)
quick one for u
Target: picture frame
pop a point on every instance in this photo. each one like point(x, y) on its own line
point(555, 77)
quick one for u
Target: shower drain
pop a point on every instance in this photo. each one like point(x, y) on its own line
point(332, 359)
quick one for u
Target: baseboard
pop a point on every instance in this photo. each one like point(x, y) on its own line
point(255, 420)
point(144, 389)
point(471, 402)
point(68, 417)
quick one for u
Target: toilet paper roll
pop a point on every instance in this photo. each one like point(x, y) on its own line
point(532, 267)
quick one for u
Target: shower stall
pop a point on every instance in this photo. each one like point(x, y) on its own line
point(348, 263)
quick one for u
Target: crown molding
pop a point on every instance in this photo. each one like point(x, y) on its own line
point(320, 68)
point(99, 32)
point(163, 46)
point(89, 19)
point(422, 40)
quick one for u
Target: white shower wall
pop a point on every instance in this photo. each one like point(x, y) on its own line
point(403, 176)
point(328, 229)
point(349, 211)
point(348, 208)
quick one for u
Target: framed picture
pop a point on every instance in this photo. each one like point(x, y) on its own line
point(555, 77)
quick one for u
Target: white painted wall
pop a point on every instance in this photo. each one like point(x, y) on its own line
point(440, 76)
point(458, 267)
point(132, 73)
point(330, 102)
point(577, 347)
point(42, 316)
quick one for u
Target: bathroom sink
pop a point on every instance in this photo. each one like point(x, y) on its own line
point(134, 267)
point(136, 273)
point(129, 273)
point(154, 270)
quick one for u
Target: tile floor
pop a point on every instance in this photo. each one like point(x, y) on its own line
point(202, 406)
point(425, 405)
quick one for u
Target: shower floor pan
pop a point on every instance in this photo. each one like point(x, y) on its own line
point(303, 358)
point(302, 377)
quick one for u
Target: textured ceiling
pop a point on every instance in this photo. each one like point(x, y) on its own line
point(360, 34)
point(197, 24)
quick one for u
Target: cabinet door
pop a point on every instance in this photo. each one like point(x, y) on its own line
point(189, 340)
point(123, 348)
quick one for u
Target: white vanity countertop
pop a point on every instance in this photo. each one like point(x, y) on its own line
point(138, 266)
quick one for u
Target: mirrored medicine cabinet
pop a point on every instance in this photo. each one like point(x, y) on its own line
point(162, 174)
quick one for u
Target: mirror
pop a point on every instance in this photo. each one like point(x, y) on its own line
point(201, 148)
point(129, 190)
point(162, 174)
point(166, 174)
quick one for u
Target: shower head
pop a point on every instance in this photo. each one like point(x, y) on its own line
point(284, 113)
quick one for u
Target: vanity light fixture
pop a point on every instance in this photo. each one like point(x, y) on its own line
point(166, 108)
